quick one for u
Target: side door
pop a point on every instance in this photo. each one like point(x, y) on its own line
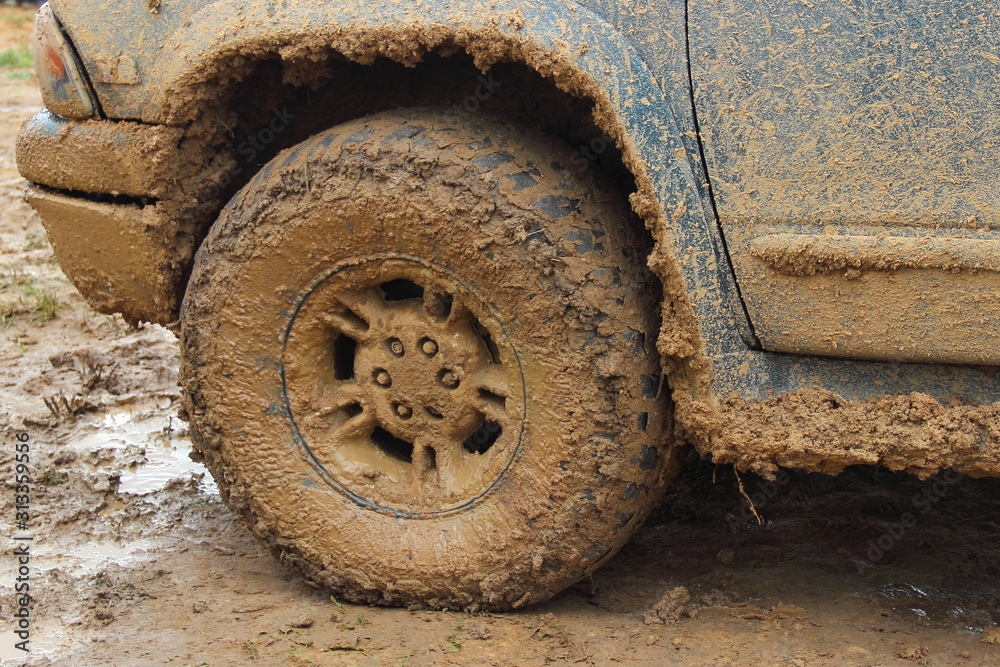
point(853, 148)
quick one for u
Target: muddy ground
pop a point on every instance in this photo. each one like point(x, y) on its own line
point(137, 562)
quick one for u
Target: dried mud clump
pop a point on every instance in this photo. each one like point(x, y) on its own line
point(816, 430)
point(670, 608)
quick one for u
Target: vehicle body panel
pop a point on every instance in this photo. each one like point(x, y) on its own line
point(93, 156)
point(853, 152)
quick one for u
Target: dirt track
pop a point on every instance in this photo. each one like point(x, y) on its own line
point(137, 561)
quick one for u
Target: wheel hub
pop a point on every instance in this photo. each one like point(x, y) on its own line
point(413, 381)
point(403, 386)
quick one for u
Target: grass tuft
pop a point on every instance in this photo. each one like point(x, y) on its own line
point(35, 242)
point(20, 298)
point(18, 16)
point(19, 57)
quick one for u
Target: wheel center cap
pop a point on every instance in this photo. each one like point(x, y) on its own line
point(414, 374)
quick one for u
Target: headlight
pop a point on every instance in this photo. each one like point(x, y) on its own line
point(65, 90)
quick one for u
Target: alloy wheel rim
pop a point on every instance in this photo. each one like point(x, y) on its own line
point(403, 386)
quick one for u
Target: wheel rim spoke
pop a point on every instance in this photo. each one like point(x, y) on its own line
point(450, 463)
point(357, 314)
point(347, 323)
point(368, 304)
point(424, 461)
point(459, 316)
point(437, 304)
point(438, 464)
point(335, 396)
point(358, 426)
point(494, 390)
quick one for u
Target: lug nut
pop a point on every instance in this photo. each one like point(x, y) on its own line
point(396, 347)
point(429, 347)
point(382, 378)
point(449, 379)
point(403, 411)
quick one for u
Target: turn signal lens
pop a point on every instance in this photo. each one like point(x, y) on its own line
point(65, 91)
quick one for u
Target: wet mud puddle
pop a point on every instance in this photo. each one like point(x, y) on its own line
point(144, 448)
point(166, 446)
point(161, 443)
point(963, 609)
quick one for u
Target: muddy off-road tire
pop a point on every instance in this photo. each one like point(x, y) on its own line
point(419, 360)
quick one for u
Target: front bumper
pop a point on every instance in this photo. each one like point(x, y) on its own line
point(97, 186)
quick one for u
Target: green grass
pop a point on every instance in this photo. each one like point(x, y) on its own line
point(20, 298)
point(53, 478)
point(16, 15)
point(45, 307)
point(17, 58)
point(35, 242)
